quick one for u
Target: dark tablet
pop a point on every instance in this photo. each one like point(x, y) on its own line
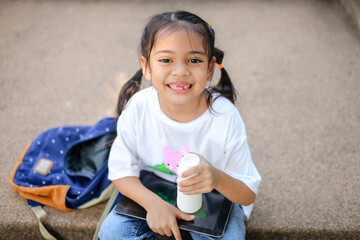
point(210, 220)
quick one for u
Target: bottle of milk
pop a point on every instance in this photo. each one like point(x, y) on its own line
point(188, 203)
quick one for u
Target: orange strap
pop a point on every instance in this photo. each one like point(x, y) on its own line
point(221, 65)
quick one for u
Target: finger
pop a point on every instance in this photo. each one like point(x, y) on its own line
point(199, 184)
point(205, 189)
point(191, 181)
point(168, 232)
point(184, 216)
point(152, 227)
point(176, 231)
point(198, 169)
point(191, 171)
point(158, 231)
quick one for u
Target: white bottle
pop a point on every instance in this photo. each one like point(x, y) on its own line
point(188, 203)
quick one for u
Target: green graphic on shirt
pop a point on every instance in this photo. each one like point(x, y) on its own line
point(162, 168)
point(165, 194)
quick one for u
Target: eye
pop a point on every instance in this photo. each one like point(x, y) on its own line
point(165, 60)
point(195, 60)
point(168, 164)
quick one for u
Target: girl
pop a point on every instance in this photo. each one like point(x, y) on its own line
point(179, 114)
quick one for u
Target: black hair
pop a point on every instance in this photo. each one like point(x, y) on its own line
point(173, 21)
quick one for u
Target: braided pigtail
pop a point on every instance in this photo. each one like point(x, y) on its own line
point(128, 90)
point(224, 86)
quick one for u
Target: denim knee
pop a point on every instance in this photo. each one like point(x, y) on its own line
point(117, 226)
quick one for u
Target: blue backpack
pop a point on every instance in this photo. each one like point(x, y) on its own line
point(66, 167)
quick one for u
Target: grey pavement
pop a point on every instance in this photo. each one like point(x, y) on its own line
point(295, 64)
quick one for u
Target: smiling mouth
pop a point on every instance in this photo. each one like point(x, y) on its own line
point(179, 88)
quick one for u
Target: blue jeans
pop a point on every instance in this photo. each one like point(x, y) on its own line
point(117, 226)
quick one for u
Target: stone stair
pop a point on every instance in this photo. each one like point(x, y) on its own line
point(294, 63)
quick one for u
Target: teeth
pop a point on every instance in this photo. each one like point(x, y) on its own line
point(180, 88)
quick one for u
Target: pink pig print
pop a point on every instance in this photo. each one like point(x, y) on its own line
point(172, 158)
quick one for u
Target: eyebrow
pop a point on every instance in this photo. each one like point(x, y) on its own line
point(191, 52)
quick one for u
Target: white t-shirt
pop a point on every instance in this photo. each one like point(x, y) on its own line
point(147, 138)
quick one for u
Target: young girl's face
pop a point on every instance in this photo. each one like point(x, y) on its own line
point(179, 69)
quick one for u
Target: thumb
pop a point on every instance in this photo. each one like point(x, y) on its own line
point(184, 216)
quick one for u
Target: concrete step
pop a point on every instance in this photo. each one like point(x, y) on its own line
point(294, 63)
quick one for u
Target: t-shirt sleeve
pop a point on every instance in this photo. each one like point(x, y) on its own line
point(237, 155)
point(123, 160)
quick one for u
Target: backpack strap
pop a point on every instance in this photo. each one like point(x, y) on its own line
point(41, 215)
point(110, 204)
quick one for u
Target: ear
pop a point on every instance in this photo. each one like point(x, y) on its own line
point(185, 149)
point(166, 150)
point(211, 69)
point(145, 68)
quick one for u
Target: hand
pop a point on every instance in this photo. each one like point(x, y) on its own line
point(206, 180)
point(161, 218)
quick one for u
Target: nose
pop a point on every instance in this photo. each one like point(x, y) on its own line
point(180, 70)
